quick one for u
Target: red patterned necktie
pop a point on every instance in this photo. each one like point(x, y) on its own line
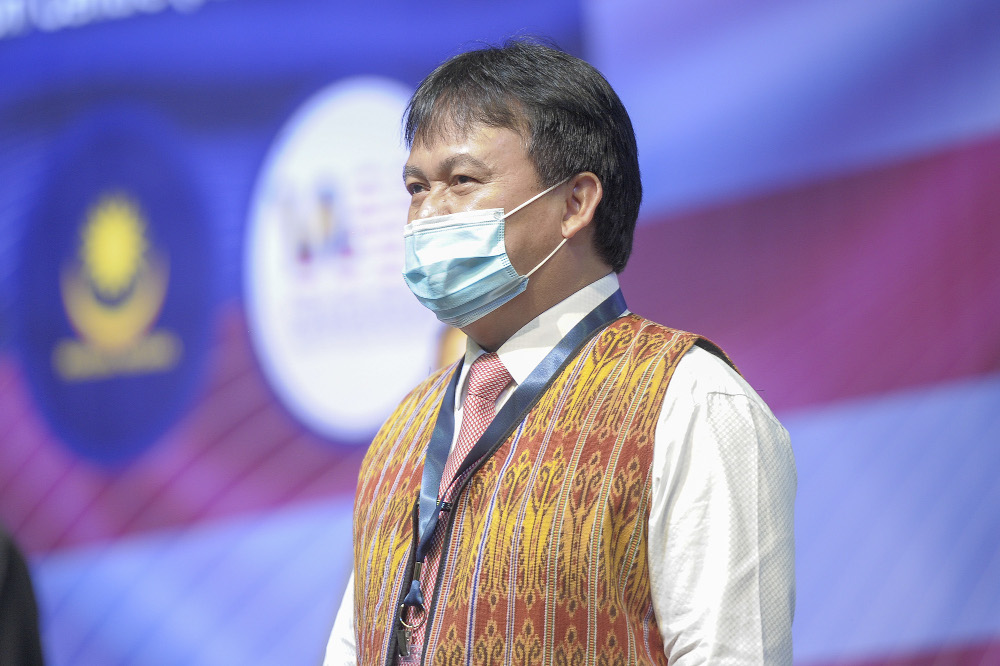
point(487, 380)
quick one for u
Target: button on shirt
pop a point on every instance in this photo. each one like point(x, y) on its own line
point(721, 548)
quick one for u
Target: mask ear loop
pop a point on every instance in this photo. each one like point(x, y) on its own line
point(542, 262)
point(561, 243)
point(537, 196)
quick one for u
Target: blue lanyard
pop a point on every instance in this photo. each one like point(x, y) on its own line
point(513, 412)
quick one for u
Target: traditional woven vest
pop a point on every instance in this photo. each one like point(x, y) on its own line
point(545, 555)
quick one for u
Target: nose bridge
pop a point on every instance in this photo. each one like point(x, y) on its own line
point(435, 202)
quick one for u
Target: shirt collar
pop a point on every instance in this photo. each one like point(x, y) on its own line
point(526, 348)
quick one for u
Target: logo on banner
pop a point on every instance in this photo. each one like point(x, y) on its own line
point(338, 336)
point(114, 278)
point(113, 291)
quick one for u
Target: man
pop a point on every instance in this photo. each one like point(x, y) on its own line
point(586, 486)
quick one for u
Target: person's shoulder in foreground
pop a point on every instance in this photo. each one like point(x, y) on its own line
point(645, 491)
point(20, 641)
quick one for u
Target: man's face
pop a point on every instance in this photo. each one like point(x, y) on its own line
point(488, 167)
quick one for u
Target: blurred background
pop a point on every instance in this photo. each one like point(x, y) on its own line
point(202, 320)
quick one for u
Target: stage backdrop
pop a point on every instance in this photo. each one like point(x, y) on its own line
point(203, 322)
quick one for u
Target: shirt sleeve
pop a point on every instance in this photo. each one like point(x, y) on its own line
point(721, 545)
point(341, 649)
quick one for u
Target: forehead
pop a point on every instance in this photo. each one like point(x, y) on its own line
point(494, 147)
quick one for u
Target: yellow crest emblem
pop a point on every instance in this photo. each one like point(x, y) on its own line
point(113, 292)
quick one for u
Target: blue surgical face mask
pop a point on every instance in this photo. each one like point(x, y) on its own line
point(457, 265)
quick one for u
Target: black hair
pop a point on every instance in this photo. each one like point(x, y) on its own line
point(567, 112)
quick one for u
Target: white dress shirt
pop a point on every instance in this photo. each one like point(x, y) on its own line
point(721, 548)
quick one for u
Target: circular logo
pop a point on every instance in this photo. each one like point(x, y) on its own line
point(337, 333)
point(113, 286)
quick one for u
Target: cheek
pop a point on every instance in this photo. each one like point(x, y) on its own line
point(480, 199)
point(524, 244)
point(530, 239)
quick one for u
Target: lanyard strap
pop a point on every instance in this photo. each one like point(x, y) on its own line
point(512, 413)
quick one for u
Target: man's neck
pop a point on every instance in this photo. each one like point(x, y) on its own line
point(494, 329)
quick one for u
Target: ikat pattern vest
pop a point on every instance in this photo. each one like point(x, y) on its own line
point(545, 559)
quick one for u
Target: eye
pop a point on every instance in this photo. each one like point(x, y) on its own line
point(415, 188)
point(462, 179)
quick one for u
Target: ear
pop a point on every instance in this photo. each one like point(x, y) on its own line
point(585, 192)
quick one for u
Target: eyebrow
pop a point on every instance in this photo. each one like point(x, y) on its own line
point(416, 172)
point(448, 165)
